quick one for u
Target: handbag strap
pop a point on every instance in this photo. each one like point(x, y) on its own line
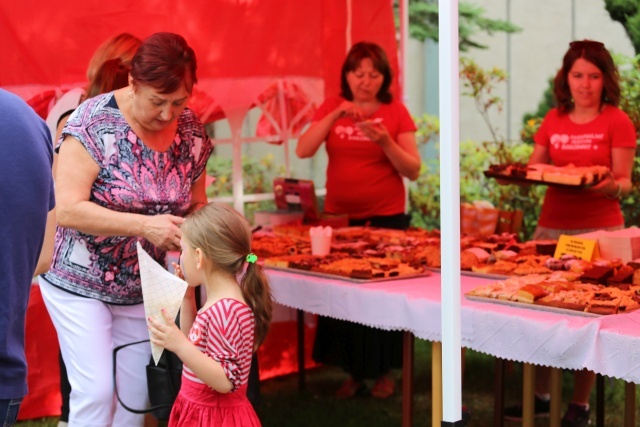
point(115, 383)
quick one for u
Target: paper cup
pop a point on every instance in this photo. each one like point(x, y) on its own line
point(320, 245)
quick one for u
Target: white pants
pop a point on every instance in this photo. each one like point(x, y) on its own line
point(88, 331)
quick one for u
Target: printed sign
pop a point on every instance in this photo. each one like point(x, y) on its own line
point(585, 249)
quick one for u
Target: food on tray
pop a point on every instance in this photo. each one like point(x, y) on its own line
point(468, 259)
point(546, 247)
point(567, 276)
point(481, 255)
point(530, 293)
point(544, 290)
point(428, 255)
point(636, 278)
point(344, 265)
point(629, 303)
point(530, 266)
point(605, 301)
point(500, 267)
point(597, 274)
point(569, 175)
point(622, 277)
point(578, 265)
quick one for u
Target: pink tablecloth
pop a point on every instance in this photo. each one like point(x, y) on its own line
point(609, 345)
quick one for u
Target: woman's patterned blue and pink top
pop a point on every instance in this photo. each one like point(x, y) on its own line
point(133, 178)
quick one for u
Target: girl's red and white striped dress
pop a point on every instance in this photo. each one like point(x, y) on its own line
point(224, 332)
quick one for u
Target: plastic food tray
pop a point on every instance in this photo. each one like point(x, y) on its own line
point(345, 278)
point(520, 180)
point(533, 306)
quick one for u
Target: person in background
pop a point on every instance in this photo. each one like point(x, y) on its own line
point(130, 167)
point(586, 128)
point(120, 47)
point(26, 226)
point(371, 147)
point(112, 74)
point(217, 341)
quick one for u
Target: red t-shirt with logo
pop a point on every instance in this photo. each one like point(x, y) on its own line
point(361, 181)
point(586, 144)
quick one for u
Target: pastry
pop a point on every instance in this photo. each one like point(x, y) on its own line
point(597, 274)
point(530, 293)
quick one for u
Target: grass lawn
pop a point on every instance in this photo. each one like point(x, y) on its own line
point(283, 405)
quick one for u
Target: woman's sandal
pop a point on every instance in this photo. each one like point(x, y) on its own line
point(383, 387)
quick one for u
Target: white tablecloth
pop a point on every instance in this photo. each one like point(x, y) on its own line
point(609, 345)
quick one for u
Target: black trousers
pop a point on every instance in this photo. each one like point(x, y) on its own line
point(362, 351)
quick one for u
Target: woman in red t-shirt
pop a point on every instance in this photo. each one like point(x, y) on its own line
point(371, 146)
point(586, 128)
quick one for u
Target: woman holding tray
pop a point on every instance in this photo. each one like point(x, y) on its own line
point(370, 142)
point(585, 129)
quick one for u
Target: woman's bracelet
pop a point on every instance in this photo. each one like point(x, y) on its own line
point(618, 192)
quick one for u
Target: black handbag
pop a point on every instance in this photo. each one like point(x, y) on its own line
point(163, 382)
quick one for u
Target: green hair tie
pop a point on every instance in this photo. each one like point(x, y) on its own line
point(252, 258)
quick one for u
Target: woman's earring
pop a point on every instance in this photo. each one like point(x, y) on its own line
point(130, 94)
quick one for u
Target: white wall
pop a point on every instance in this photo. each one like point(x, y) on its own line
point(535, 55)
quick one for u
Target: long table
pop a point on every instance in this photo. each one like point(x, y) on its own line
point(608, 345)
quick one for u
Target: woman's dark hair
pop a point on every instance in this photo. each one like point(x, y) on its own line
point(598, 55)
point(164, 61)
point(112, 75)
point(357, 53)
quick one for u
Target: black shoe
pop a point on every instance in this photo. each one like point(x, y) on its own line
point(576, 416)
point(540, 409)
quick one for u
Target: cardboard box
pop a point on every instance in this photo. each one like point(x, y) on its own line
point(623, 244)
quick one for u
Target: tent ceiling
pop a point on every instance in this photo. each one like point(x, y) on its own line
point(236, 41)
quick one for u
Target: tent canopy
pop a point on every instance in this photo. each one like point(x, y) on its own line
point(243, 46)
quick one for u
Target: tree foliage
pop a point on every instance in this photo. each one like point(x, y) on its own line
point(627, 12)
point(423, 23)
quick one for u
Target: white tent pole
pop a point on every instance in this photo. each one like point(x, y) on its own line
point(238, 187)
point(450, 210)
point(404, 37)
point(284, 127)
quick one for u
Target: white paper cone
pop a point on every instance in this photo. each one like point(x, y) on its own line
point(160, 290)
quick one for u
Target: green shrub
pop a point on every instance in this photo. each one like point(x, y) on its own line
point(257, 175)
point(475, 157)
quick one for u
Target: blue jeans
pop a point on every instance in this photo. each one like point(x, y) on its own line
point(9, 411)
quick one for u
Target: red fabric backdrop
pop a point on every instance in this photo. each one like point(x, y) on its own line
point(47, 45)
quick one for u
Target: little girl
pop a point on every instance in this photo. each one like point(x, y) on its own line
point(224, 333)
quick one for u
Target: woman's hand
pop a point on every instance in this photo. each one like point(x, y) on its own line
point(166, 334)
point(607, 186)
point(349, 109)
point(163, 231)
point(376, 132)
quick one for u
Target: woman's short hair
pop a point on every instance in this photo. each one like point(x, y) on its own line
point(595, 53)
point(357, 53)
point(164, 61)
point(112, 75)
point(122, 46)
